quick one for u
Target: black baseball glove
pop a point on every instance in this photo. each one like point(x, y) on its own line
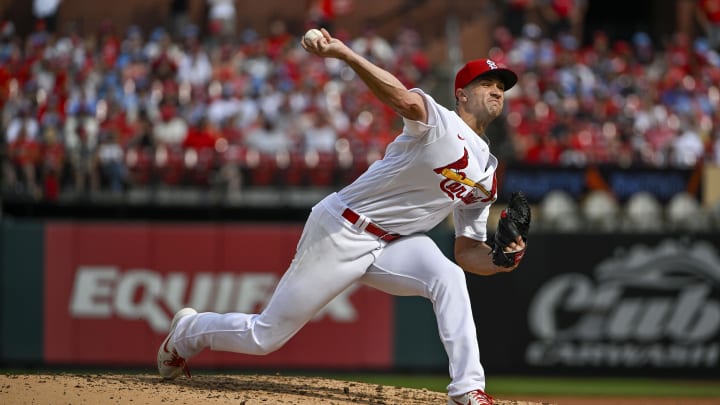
point(514, 221)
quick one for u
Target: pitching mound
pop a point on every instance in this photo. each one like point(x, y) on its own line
point(51, 389)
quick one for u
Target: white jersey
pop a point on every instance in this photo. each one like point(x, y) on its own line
point(406, 193)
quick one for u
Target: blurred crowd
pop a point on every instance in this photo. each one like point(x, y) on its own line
point(108, 111)
point(626, 102)
point(112, 111)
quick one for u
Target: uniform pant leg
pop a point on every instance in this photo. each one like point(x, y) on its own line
point(331, 256)
point(415, 266)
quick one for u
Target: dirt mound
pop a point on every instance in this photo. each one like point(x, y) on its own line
point(141, 389)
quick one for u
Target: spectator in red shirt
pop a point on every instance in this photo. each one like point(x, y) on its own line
point(563, 16)
point(53, 163)
point(202, 135)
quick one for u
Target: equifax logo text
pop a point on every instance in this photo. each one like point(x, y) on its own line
point(100, 292)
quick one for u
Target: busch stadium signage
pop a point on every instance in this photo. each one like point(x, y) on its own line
point(644, 307)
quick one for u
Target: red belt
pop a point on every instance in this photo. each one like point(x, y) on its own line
point(371, 228)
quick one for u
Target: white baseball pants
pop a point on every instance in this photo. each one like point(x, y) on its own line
point(332, 255)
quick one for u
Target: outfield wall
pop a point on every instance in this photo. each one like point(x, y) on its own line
point(102, 294)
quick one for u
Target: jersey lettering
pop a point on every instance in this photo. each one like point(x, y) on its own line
point(454, 189)
point(470, 196)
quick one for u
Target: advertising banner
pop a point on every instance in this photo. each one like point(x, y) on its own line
point(620, 304)
point(111, 291)
point(536, 182)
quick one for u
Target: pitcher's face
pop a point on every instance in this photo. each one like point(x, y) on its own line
point(486, 97)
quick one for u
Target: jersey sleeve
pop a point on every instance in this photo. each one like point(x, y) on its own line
point(471, 222)
point(419, 129)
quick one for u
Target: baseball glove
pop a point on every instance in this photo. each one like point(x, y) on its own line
point(514, 221)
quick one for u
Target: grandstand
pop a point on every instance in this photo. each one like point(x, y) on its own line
point(138, 113)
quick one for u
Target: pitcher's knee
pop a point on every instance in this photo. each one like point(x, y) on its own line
point(452, 277)
point(268, 347)
point(452, 281)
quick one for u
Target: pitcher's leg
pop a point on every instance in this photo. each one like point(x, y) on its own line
point(415, 266)
point(327, 262)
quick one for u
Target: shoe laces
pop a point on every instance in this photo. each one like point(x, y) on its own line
point(480, 395)
point(177, 361)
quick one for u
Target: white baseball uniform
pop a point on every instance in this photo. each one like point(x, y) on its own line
point(402, 194)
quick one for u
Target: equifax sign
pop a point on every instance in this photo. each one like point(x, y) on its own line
point(102, 292)
point(111, 290)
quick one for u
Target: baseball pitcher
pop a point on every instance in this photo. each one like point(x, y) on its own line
point(372, 231)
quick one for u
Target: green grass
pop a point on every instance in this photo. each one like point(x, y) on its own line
point(621, 387)
point(558, 386)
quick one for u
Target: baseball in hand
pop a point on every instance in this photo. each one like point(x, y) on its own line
point(313, 34)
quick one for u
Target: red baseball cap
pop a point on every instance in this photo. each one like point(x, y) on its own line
point(480, 67)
